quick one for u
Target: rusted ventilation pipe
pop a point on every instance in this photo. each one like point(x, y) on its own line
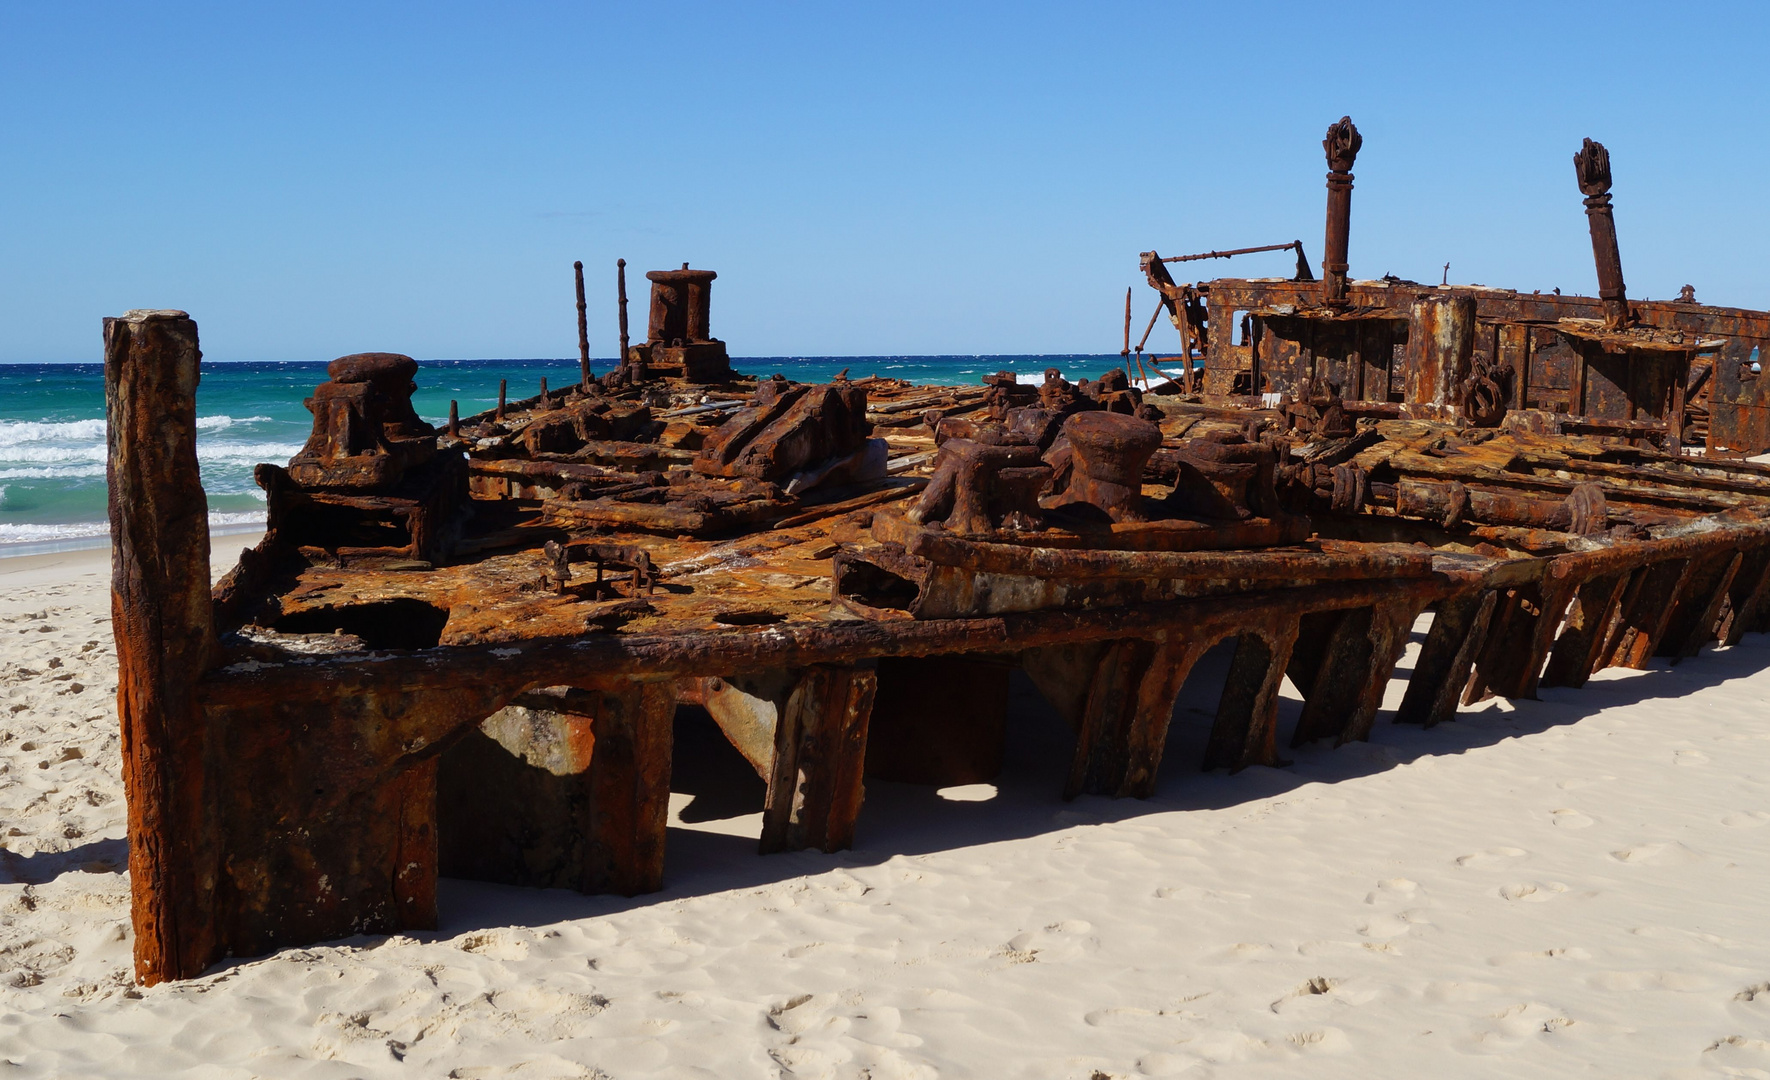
point(1341, 144)
point(1592, 164)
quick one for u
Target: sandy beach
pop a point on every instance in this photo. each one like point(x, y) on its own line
point(1541, 888)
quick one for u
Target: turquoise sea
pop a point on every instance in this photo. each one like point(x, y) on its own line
point(52, 430)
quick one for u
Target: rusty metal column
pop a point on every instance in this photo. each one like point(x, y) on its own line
point(1592, 165)
point(621, 301)
point(1342, 144)
point(1440, 347)
point(161, 616)
point(583, 330)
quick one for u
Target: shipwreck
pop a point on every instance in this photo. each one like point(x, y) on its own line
point(459, 650)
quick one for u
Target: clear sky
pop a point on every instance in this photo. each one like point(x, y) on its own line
point(314, 179)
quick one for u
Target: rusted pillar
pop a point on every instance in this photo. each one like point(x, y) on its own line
point(1341, 144)
point(1459, 628)
point(1646, 611)
point(1692, 623)
point(621, 304)
point(454, 420)
point(1592, 165)
point(583, 328)
point(1747, 596)
point(160, 614)
point(503, 386)
point(1245, 732)
point(1122, 727)
point(820, 747)
point(1440, 348)
point(1582, 638)
point(543, 404)
point(1343, 676)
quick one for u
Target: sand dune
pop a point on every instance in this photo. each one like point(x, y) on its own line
point(1538, 889)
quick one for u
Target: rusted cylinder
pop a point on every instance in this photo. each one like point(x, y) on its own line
point(1342, 144)
point(1592, 166)
point(503, 385)
point(681, 302)
point(543, 403)
point(1440, 345)
point(161, 616)
point(621, 304)
point(583, 327)
point(454, 420)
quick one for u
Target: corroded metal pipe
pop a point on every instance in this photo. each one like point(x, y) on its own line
point(583, 328)
point(621, 296)
point(1342, 144)
point(1592, 165)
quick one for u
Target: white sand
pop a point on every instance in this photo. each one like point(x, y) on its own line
point(1539, 889)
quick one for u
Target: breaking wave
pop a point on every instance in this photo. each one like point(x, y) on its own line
point(219, 521)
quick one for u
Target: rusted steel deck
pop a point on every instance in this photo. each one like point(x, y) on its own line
point(460, 651)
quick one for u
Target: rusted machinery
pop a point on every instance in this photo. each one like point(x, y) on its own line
point(462, 652)
point(1675, 374)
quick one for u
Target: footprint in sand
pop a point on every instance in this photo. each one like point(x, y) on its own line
point(1739, 1055)
point(1197, 892)
point(1746, 819)
point(1570, 819)
point(1690, 757)
point(1672, 854)
point(1383, 927)
point(1491, 859)
point(1533, 893)
point(1064, 940)
point(1393, 890)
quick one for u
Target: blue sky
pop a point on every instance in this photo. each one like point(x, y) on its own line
point(315, 179)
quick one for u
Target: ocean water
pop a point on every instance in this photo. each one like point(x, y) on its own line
point(52, 428)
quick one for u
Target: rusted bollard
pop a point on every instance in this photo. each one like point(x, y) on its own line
point(503, 384)
point(543, 404)
point(454, 421)
point(161, 616)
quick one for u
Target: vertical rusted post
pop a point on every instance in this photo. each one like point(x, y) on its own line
point(583, 329)
point(1592, 165)
point(454, 420)
point(503, 385)
point(1440, 350)
point(160, 614)
point(543, 403)
point(621, 305)
point(1126, 351)
point(820, 749)
point(1342, 144)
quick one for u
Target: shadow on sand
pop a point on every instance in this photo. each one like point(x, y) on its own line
point(905, 819)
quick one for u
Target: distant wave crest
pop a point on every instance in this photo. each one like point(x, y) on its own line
point(26, 534)
point(208, 452)
point(19, 432)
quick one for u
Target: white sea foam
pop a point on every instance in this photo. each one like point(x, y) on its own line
point(16, 433)
point(227, 521)
point(209, 453)
point(50, 472)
